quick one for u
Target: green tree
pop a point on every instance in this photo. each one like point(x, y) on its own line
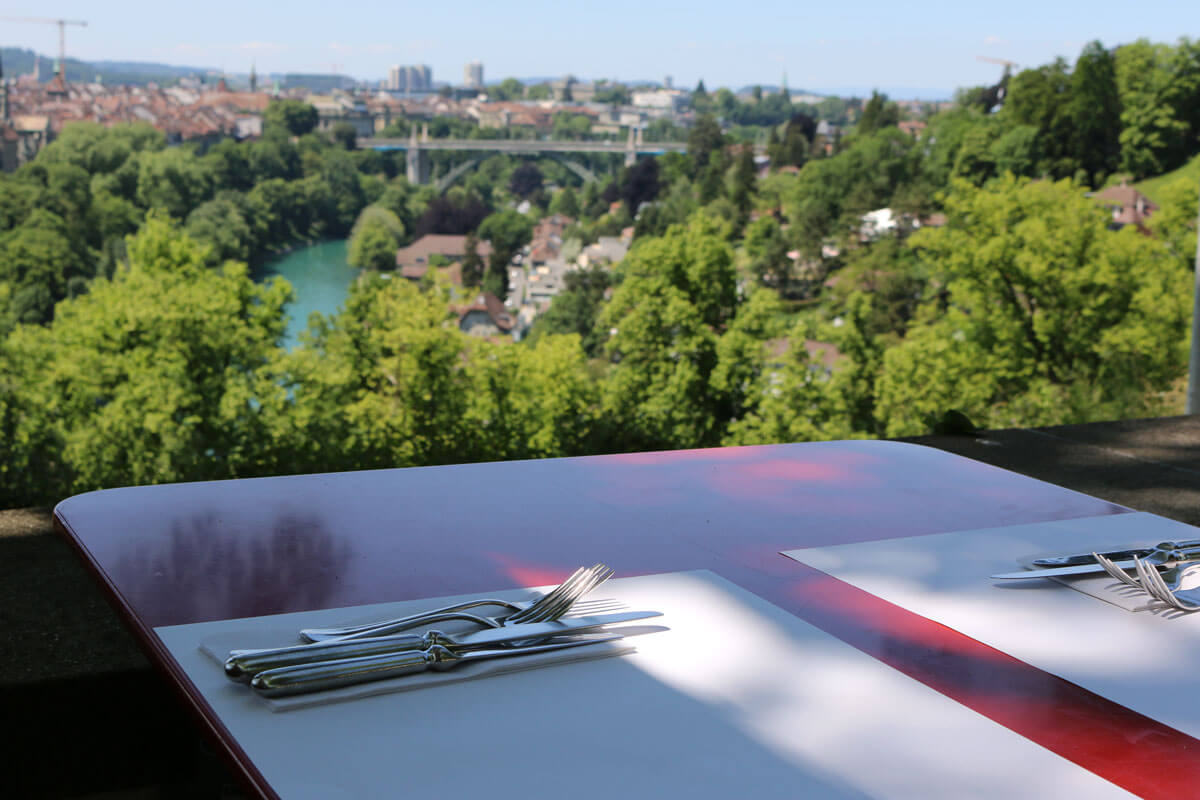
point(472, 263)
point(677, 292)
point(344, 134)
point(219, 224)
point(565, 202)
point(507, 231)
point(1042, 98)
point(508, 89)
point(526, 180)
point(877, 114)
point(1158, 91)
point(375, 238)
point(1096, 113)
point(1047, 316)
point(767, 251)
point(1175, 221)
point(39, 263)
point(294, 117)
point(741, 192)
point(575, 310)
point(156, 375)
point(704, 139)
point(174, 180)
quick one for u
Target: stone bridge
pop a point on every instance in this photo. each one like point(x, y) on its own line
point(418, 148)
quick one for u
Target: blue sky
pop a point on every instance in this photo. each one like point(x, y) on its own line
point(826, 45)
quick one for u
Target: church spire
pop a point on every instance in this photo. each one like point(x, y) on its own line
point(5, 113)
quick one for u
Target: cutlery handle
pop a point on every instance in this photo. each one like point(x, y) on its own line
point(305, 678)
point(242, 665)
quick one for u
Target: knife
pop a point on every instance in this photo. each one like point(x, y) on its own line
point(1115, 555)
point(304, 678)
point(242, 665)
point(1078, 569)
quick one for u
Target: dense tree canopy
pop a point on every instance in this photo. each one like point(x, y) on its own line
point(754, 306)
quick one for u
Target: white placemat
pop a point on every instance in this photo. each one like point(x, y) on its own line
point(255, 635)
point(1145, 661)
point(737, 697)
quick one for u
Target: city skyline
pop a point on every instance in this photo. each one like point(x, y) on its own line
point(933, 47)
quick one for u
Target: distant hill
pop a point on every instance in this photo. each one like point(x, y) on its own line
point(21, 62)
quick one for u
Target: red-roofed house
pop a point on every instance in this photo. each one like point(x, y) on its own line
point(413, 261)
point(485, 317)
point(1128, 205)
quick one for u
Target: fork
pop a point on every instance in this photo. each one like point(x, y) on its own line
point(1171, 578)
point(1182, 599)
point(553, 605)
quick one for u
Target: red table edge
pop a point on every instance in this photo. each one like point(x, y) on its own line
point(217, 735)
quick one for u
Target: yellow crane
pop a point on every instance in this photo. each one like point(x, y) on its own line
point(62, 34)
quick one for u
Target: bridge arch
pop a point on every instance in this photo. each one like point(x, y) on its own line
point(446, 181)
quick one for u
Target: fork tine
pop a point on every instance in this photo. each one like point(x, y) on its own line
point(1144, 579)
point(552, 611)
point(527, 614)
point(1115, 571)
point(1155, 584)
point(599, 574)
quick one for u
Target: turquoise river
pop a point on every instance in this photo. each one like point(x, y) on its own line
point(320, 277)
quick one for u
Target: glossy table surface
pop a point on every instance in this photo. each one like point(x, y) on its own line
point(184, 553)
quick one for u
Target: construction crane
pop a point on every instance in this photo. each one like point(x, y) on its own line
point(993, 96)
point(1000, 61)
point(62, 35)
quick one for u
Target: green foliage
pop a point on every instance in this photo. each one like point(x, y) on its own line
point(1096, 113)
point(508, 232)
point(704, 140)
point(1159, 88)
point(565, 202)
point(1047, 317)
point(390, 383)
point(575, 310)
point(173, 180)
point(878, 113)
point(149, 377)
point(1042, 99)
point(376, 236)
point(344, 134)
point(294, 117)
point(676, 293)
point(219, 224)
point(507, 90)
point(830, 195)
point(1174, 224)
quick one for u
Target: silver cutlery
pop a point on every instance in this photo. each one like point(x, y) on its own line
point(1172, 577)
point(1165, 558)
point(1182, 599)
point(242, 665)
point(1115, 555)
point(553, 605)
point(305, 678)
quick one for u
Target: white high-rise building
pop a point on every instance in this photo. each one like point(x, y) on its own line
point(410, 78)
point(473, 75)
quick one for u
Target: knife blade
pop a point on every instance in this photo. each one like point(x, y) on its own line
point(1058, 572)
point(304, 678)
point(242, 665)
point(1133, 551)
